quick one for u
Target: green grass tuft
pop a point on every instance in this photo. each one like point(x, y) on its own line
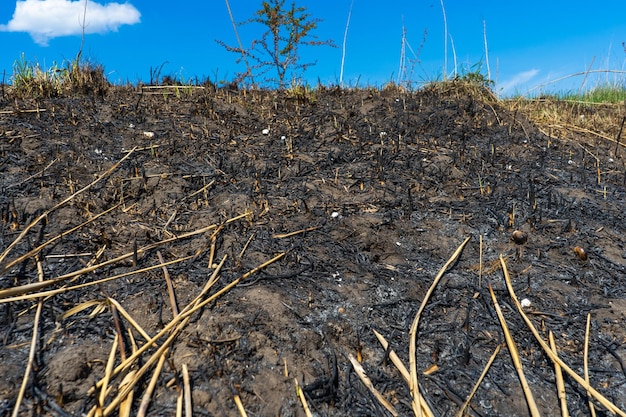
point(30, 80)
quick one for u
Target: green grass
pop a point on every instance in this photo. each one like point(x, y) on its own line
point(606, 93)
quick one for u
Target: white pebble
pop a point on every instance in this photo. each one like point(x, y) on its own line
point(525, 303)
point(265, 131)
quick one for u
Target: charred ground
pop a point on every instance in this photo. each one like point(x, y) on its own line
point(365, 194)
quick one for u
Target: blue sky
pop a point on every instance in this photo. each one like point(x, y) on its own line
point(530, 43)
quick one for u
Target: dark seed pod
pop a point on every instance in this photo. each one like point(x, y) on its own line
point(519, 237)
point(580, 252)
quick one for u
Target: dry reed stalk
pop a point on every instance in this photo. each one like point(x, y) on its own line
point(125, 389)
point(370, 386)
point(480, 380)
point(560, 384)
point(530, 400)
point(29, 287)
point(170, 287)
point(213, 242)
point(187, 392)
point(129, 318)
point(127, 403)
point(179, 402)
point(597, 161)
point(302, 398)
point(203, 189)
point(553, 357)
point(343, 46)
point(243, 250)
point(592, 409)
point(413, 384)
point(62, 203)
point(35, 251)
point(83, 306)
point(147, 395)
point(33, 348)
point(403, 371)
point(118, 330)
point(576, 74)
point(238, 403)
point(108, 371)
point(175, 326)
point(582, 84)
point(297, 232)
point(172, 325)
point(22, 111)
point(393, 357)
point(578, 129)
point(9, 292)
point(38, 174)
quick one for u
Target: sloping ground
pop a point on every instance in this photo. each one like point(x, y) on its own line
point(355, 199)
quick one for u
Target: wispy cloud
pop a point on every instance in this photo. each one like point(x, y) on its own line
point(47, 19)
point(516, 81)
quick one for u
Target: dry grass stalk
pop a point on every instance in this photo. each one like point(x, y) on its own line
point(532, 406)
point(480, 380)
point(33, 348)
point(368, 383)
point(62, 203)
point(413, 385)
point(592, 410)
point(553, 357)
point(242, 411)
point(560, 383)
point(301, 397)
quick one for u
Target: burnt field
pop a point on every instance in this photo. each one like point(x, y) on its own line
point(210, 249)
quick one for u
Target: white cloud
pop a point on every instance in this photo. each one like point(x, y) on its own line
point(47, 19)
point(516, 81)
